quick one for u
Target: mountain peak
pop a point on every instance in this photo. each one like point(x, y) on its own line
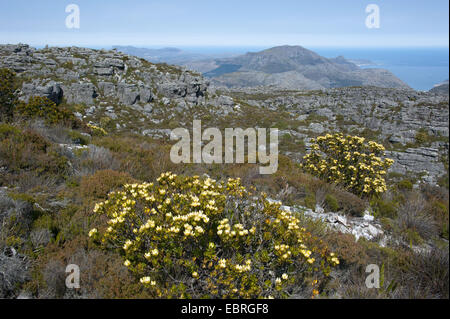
point(295, 67)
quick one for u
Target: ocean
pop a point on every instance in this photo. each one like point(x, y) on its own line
point(420, 68)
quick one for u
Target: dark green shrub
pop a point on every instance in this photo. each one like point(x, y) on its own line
point(78, 138)
point(310, 201)
point(41, 107)
point(331, 203)
point(405, 184)
point(8, 99)
point(350, 203)
point(383, 208)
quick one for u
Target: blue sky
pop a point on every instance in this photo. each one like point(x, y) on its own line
point(327, 23)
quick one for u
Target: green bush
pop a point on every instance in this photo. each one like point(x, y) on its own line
point(422, 136)
point(310, 201)
point(25, 150)
point(42, 107)
point(384, 208)
point(412, 236)
point(78, 138)
point(8, 99)
point(187, 237)
point(332, 203)
point(350, 203)
point(405, 184)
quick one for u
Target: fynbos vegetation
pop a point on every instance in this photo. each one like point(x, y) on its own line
point(86, 178)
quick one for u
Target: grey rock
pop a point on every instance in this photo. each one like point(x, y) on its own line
point(128, 93)
point(157, 133)
point(316, 128)
point(79, 93)
point(418, 160)
point(107, 88)
point(104, 71)
point(51, 90)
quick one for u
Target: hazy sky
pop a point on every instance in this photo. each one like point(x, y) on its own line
point(226, 23)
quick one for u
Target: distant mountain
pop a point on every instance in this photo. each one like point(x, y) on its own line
point(441, 88)
point(293, 67)
point(164, 55)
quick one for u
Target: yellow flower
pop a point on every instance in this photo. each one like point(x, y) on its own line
point(222, 263)
point(147, 280)
point(93, 232)
point(127, 244)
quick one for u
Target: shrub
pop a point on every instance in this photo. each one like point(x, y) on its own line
point(412, 215)
point(422, 136)
point(78, 138)
point(310, 201)
point(97, 131)
point(191, 237)
point(42, 107)
point(102, 182)
point(440, 212)
point(349, 161)
point(332, 203)
point(405, 184)
point(29, 151)
point(429, 273)
point(92, 159)
point(384, 208)
point(8, 97)
point(350, 203)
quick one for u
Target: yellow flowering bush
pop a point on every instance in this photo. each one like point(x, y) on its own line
point(192, 237)
point(98, 131)
point(350, 161)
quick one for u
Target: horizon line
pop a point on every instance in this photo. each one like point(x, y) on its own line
point(175, 46)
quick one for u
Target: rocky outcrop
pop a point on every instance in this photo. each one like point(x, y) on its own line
point(80, 93)
point(86, 76)
point(51, 90)
point(423, 160)
point(412, 125)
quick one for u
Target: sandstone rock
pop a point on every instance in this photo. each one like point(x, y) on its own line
point(51, 90)
point(79, 93)
point(316, 128)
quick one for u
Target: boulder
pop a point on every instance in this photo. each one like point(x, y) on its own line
point(51, 90)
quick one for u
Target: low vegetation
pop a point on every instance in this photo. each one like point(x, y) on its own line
point(145, 241)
